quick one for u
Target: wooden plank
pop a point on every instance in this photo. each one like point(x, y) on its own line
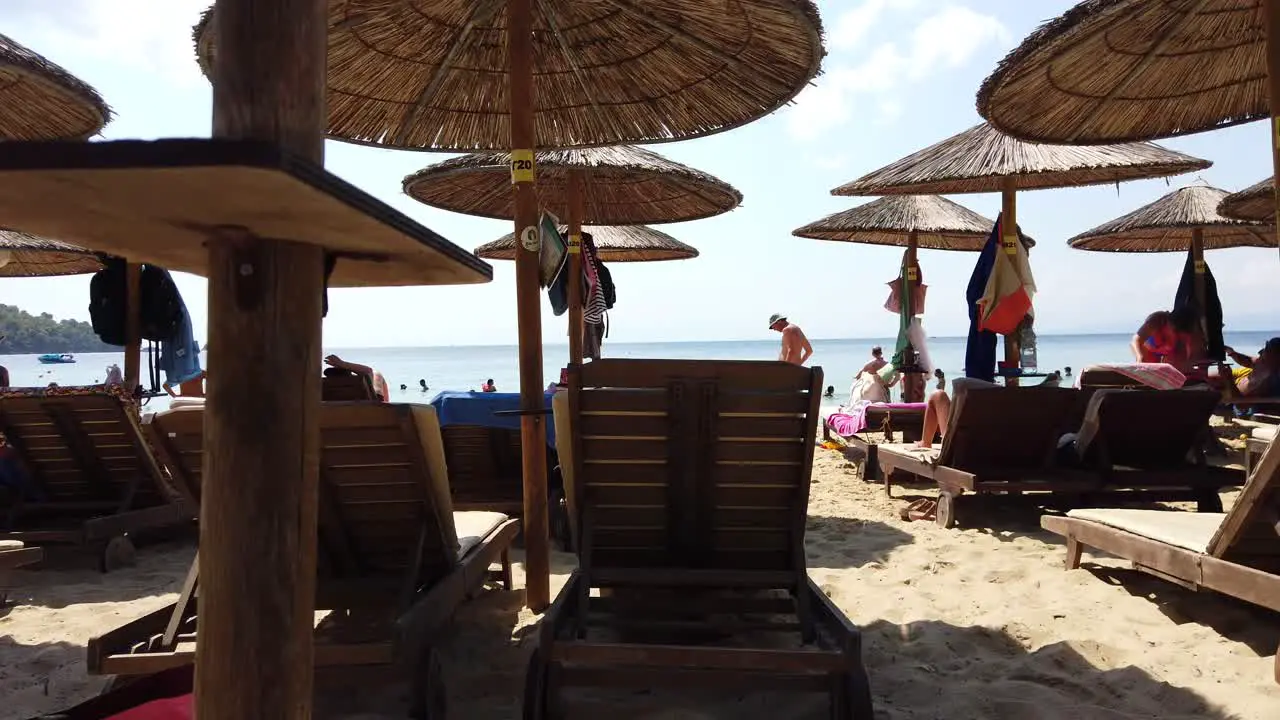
point(790, 451)
point(729, 404)
point(730, 375)
point(789, 427)
point(674, 656)
point(653, 425)
point(757, 474)
point(596, 449)
point(727, 680)
point(622, 401)
point(623, 473)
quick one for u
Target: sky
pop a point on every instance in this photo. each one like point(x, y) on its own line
point(899, 75)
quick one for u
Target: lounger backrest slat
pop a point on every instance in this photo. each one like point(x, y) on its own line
point(485, 468)
point(1250, 534)
point(1146, 429)
point(83, 448)
point(1003, 428)
point(690, 464)
point(384, 495)
point(346, 388)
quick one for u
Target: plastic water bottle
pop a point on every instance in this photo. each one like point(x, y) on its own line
point(1028, 348)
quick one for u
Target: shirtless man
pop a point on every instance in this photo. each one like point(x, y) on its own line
point(877, 361)
point(795, 346)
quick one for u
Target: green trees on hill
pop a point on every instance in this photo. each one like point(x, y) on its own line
point(27, 333)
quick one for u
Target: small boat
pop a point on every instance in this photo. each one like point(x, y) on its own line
point(56, 358)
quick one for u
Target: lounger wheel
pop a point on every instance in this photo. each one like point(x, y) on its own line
point(430, 700)
point(1209, 502)
point(946, 512)
point(118, 553)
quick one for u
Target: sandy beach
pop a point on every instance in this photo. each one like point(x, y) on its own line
point(957, 624)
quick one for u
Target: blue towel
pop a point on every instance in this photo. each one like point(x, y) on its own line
point(474, 408)
point(180, 354)
point(980, 351)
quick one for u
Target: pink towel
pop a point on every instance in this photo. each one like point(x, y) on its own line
point(1159, 376)
point(854, 419)
point(175, 708)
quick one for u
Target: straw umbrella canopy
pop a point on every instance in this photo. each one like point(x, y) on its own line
point(621, 185)
point(981, 159)
point(41, 101)
point(1172, 223)
point(23, 255)
point(433, 76)
point(628, 243)
point(926, 221)
point(1256, 202)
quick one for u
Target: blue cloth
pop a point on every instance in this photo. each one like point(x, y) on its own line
point(475, 408)
point(980, 351)
point(180, 354)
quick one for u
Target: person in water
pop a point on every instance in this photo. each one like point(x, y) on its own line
point(1164, 338)
point(375, 378)
point(795, 346)
point(831, 391)
point(422, 385)
point(488, 386)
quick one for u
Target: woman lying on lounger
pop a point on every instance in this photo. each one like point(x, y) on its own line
point(1259, 375)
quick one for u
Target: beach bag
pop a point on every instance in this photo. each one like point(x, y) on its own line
point(107, 302)
point(867, 388)
point(162, 308)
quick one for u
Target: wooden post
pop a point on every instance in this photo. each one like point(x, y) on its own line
point(1201, 293)
point(533, 437)
point(1272, 10)
point(912, 383)
point(254, 652)
point(132, 326)
point(576, 212)
point(1009, 218)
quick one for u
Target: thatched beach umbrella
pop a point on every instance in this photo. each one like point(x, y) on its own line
point(1117, 70)
point(910, 221)
point(626, 243)
point(603, 186)
point(1256, 202)
point(41, 101)
point(462, 77)
point(1185, 220)
point(981, 159)
point(23, 255)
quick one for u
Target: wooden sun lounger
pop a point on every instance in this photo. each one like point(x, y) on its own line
point(93, 479)
point(13, 555)
point(907, 423)
point(1255, 444)
point(1153, 441)
point(1235, 553)
point(394, 559)
point(688, 485)
point(346, 388)
point(1000, 440)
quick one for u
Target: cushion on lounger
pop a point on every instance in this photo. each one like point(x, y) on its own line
point(1264, 433)
point(1188, 530)
point(474, 526)
point(11, 545)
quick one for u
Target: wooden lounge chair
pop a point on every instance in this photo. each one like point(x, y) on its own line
point(1235, 553)
point(485, 471)
point(1255, 444)
point(906, 423)
point(342, 387)
point(1000, 440)
point(91, 477)
point(13, 555)
point(692, 477)
point(1153, 442)
point(392, 554)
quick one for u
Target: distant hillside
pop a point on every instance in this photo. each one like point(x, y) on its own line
point(27, 333)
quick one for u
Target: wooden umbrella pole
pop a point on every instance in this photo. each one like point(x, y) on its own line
point(575, 266)
point(912, 383)
point(254, 652)
point(1272, 8)
point(1198, 268)
point(1009, 218)
point(133, 326)
point(533, 438)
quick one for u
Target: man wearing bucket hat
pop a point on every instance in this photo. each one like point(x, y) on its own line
point(795, 346)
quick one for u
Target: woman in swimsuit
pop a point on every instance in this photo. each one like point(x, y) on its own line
point(1163, 338)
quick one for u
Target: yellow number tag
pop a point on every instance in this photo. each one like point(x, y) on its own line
point(521, 166)
point(1010, 243)
point(1275, 125)
point(913, 274)
point(1200, 267)
point(575, 244)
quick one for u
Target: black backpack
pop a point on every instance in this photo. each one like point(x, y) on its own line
point(107, 301)
point(161, 311)
point(606, 285)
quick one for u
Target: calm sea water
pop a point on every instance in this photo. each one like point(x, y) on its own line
point(466, 368)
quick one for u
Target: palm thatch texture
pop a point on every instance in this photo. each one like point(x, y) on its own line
point(1256, 202)
point(433, 76)
point(623, 185)
point(23, 255)
point(632, 243)
point(41, 101)
point(1123, 70)
point(1166, 225)
point(980, 159)
point(937, 223)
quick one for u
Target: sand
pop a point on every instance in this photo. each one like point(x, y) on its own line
point(957, 624)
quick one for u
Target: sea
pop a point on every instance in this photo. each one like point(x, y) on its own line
point(468, 367)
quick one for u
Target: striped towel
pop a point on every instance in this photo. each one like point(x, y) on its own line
point(1158, 376)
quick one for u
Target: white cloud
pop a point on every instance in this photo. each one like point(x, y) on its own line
point(944, 40)
point(151, 35)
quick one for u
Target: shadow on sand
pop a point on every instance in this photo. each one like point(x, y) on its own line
point(841, 543)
